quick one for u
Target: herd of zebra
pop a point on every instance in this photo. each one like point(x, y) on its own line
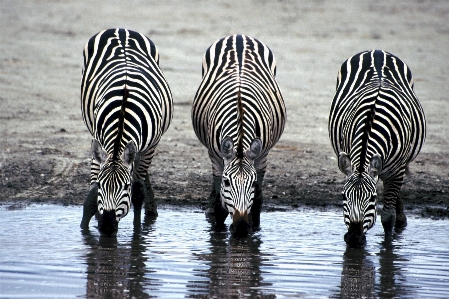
point(376, 127)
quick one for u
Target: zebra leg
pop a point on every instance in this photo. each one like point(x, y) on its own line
point(137, 191)
point(393, 209)
point(150, 202)
point(138, 194)
point(220, 213)
point(257, 201)
point(90, 206)
point(90, 203)
point(401, 219)
point(210, 208)
point(141, 178)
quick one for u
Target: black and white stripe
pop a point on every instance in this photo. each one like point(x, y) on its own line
point(126, 105)
point(377, 127)
point(238, 114)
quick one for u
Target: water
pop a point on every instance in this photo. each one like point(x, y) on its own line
point(298, 254)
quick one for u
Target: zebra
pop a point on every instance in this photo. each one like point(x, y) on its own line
point(238, 114)
point(127, 105)
point(377, 127)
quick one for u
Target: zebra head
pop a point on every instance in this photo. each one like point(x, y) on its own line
point(114, 186)
point(359, 198)
point(238, 183)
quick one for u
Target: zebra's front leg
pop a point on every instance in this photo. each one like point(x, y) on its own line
point(219, 211)
point(257, 201)
point(90, 206)
point(150, 202)
point(138, 194)
point(393, 210)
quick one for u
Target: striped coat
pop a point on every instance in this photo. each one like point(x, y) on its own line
point(126, 105)
point(377, 127)
point(238, 114)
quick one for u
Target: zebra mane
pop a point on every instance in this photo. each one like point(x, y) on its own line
point(121, 124)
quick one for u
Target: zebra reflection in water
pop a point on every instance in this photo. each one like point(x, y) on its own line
point(117, 270)
point(391, 275)
point(360, 270)
point(234, 269)
point(358, 275)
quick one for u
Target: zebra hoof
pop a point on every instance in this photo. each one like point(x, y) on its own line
point(219, 227)
point(151, 213)
point(151, 209)
point(210, 212)
point(401, 221)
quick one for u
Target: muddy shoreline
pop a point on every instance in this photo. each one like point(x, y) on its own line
point(289, 184)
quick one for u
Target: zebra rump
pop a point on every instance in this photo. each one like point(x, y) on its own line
point(126, 105)
point(377, 127)
point(238, 114)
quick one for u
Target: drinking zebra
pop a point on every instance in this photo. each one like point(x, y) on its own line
point(126, 105)
point(238, 114)
point(377, 127)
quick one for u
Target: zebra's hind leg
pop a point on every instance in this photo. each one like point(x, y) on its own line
point(257, 201)
point(90, 206)
point(401, 219)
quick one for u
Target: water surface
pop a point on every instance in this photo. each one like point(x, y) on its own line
point(299, 254)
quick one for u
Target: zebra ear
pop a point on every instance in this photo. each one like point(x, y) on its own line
point(344, 163)
point(227, 148)
point(255, 149)
point(375, 166)
point(129, 153)
point(98, 153)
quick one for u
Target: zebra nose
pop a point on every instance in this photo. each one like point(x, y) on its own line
point(355, 236)
point(240, 226)
point(108, 224)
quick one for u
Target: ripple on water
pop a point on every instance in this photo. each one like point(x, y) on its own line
point(296, 254)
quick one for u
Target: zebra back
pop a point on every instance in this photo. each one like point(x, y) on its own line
point(375, 110)
point(238, 98)
point(122, 84)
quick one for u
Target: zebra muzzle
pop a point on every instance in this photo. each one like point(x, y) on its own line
point(240, 226)
point(108, 224)
point(355, 236)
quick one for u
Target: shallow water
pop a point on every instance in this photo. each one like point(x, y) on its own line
point(299, 254)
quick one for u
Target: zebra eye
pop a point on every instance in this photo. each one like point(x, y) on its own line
point(226, 183)
point(254, 185)
point(126, 187)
